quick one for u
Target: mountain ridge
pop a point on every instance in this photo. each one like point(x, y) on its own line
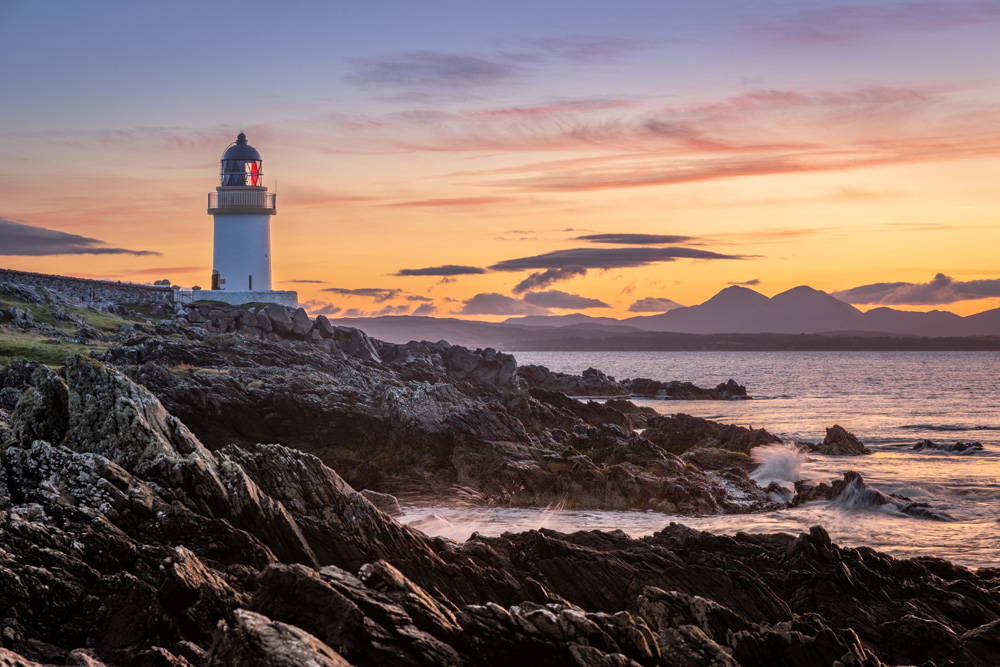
point(735, 310)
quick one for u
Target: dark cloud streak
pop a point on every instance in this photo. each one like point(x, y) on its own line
point(491, 303)
point(636, 239)
point(562, 300)
point(380, 294)
point(941, 290)
point(652, 304)
point(26, 240)
point(607, 258)
point(548, 277)
point(446, 270)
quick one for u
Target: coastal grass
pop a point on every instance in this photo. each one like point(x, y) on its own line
point(48, 351)
point(45, 313)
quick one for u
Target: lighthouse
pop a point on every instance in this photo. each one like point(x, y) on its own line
point(242, 209)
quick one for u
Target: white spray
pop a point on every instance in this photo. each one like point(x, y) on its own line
point(777, 463)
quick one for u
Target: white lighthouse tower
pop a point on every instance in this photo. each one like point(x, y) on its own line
point(242, 208)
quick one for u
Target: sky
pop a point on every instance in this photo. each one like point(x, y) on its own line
point(486, 160)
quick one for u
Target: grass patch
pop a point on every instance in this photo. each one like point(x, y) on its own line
point(49, 351)
point(183, 369)
point(46, 314)
point(97, 319)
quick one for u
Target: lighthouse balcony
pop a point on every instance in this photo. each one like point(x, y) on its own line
point(242, 200)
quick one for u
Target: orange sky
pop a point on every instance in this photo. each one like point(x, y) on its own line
point(865, 154)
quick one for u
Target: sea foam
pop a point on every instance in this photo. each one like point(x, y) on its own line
point(777, 463)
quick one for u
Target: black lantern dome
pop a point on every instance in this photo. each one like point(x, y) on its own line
point(242, 165)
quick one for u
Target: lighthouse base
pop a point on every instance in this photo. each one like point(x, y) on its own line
point(240, 297)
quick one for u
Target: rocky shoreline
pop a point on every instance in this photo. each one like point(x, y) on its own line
point(142, 522)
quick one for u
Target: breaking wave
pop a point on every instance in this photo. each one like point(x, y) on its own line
point(777, 463)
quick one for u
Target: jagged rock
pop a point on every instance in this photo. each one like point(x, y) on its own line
point(301, 324)
point(953, 448)
point(355, 343)
point(684, 390)
point(680, 432)
point(281, 322)
point(853, 492)
point(252, 640)
point(385, 502)
point(840, 442)
point(323, 325)
point(639, 416)
point(591, 382)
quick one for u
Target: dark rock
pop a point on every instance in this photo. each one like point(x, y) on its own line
point(591, 382)
point(680, 432)
point(853, 492)
point(385, 502)
point(124, 534)
point(954, 448)
point(301, 324)
point(639, 416)
point(281, 322)
point(325, 328)
point(687, 391)
point(252, 640)
point(840, 442)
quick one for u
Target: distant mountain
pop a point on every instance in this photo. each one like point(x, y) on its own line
point(734, 310)
point(986, 323)
point(565, 321)
point(932, 323)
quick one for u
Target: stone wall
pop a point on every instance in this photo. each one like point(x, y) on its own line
point(90, 291)
point(239, 297)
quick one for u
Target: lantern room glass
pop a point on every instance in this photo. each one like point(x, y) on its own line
point(242, 173)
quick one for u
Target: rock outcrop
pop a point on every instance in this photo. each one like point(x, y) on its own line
point(960, 447)
point(591, 382)
point(725, 391)
point(680, 432)
point(839, 442)
point(418, 425)
point(852, 491)
point(125, 541)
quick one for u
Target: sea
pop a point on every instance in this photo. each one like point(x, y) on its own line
point(890, 400)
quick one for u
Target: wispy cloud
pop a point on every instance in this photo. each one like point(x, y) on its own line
point(163, 271)
point(548, 277)
point(429, 74)
point(379, 294)
point(605, 258)
point(26, 240)
point(316, 307)
point(746, 283)
point(652, 304)
point(450, 202)
point(849, 22)
point(586, 49)
point(562, 300)
point(492, 303)
point(318, 282)
point(425, 310)
point(448, 270)
point(941, 290)
point(636, 239)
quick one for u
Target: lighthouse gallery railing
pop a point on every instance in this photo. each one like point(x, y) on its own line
point(242, 199)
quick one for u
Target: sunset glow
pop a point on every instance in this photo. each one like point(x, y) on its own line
point(427, 154)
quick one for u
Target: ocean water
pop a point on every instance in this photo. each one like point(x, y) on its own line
point(890, 400)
